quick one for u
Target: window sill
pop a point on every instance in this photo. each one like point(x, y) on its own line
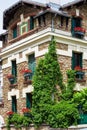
point(80, 80)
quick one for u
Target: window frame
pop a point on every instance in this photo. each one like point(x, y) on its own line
point(23, 25)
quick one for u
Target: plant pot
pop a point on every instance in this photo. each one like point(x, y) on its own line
point(27, 75)
point(11, 80)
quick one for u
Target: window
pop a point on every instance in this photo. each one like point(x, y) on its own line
point(15, 32)
point(62, 20)
point(14, 104)
point(76, 60)
point(77, 63)
point(41, 20)
point(24, 28)
point(67, 21)
point(75, 22)
point(28, 100)
point(14, 69)
point(31, 63)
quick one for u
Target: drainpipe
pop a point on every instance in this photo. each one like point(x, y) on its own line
point(52, 25)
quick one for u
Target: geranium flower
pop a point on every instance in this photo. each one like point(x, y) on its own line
point(25, 110)
point(25, 70)
point(79, 29)
point(10, 113)
point(10, 76)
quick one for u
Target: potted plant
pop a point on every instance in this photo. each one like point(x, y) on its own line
point(27, 72)
point(79, 72)
point(10, 113)
point(26, 111)
point(11, 78)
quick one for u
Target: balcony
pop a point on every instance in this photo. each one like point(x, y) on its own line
point(79, 32)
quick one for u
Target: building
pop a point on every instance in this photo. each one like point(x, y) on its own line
point(30, 26)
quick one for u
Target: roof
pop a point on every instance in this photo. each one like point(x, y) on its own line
point(72, 3)
point(8, 13)
point(59, 12)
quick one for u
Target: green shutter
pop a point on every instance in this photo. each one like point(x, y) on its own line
point(31, 23)
point(28, 100)
point(80, 58)
point(14, 69)
point(73, 24)
point(31, 63)
point(73, 60)
point(14, 104)
point(15, 32)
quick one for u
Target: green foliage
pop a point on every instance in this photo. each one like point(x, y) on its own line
point(62, 115)
point(80, 98)
point(45, 80)
point(18, 121)
point(68, 92)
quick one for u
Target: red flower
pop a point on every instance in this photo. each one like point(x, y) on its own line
point(77, 68)
point(79, 29)
point(26, 70)
point(10, 113)
point(25, 110)
point(10, 76)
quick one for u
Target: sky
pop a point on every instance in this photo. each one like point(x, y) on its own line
point(4, 4)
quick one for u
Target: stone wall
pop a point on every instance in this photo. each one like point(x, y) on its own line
point(46, 127)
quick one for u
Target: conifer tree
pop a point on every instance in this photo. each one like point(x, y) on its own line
point(46, 77)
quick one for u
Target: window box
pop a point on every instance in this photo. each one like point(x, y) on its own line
point(11, 78)
point(80, 74)
point(79, 32)
point(27, 73)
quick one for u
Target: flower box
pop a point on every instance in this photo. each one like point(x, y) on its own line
point(79, 31)
point(11, 78)
point(27, 73)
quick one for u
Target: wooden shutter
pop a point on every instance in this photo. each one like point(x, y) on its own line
point(73, 24)
point(80, 58)
point(15, 32)
point(14, 69)
point(31, 23)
